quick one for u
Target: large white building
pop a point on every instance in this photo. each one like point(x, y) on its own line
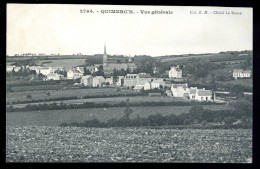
point(10, 68)
point(240, 73)
point(175, 73)
point(203, 95)
point(74, 74)
point(54, 76)
point(157, 83)
point(130, 80)
point(192, 93)
point(87, 80)
point(46, 70)
point(98, 81)
point(178, 90)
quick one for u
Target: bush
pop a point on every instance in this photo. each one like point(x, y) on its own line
point(28, 96)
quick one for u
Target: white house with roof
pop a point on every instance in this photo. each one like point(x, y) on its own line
point(16, 69)
point(87, 80)
point(192, 93)
point(35, 68)
point(109, 80)
point(80, 69)
point(147, 86)
point(139, 85)
point(175, 73)
point(54, 76)
point(240, 73)
point(142, 85)
point(46, 70)
point(10, 68)
point(120, 81)
point(74, 74)
point(178, 90)
point(168, 92)
point(98, 81)
point(157, 83)
point(203, 95)
point(131, 79)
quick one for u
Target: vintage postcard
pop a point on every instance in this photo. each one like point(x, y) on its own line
point(118, 83)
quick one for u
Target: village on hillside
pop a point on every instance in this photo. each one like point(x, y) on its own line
point(122, 73)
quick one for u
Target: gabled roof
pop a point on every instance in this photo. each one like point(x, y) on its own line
point(180, 85)
point(52, 74)
point(144, 75)
point(141, 82)
point(241, 71)
point(247, 71)
point(186, 95)
point(45, 68)
point(86, 77)
point(74, 71)
point(138, 87)
point(128, 74)
point(193, 91)
point(202, 92)
point(98, 77)
point(176, 68)
point(158, 81)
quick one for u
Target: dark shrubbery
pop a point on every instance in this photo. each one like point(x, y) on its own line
point(196, 116)
point(60, 106)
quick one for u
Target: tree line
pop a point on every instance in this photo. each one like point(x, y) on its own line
point(196, 117)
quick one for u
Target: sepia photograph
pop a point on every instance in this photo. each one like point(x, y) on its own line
point(128, 84)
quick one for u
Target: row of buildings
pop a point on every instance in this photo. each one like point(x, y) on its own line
point(191, 93)
point(240, 73)
point(143, 81)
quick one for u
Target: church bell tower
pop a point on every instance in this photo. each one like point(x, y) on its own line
point(105, 56)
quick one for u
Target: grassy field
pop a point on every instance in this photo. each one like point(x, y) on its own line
point(41, 94)
point(112, 100)
point(73, 144)
point(66, 63)
point(56, 117)
point(243, 82)
point(27, 89)
point(187, 57)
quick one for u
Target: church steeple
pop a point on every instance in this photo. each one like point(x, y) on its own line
point(105, 56)
point(105, 51)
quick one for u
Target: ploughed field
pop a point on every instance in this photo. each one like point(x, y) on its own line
point(56, 117)
point(76, 144)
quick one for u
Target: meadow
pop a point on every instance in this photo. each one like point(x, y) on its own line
point(110, 100)
point(66, 63)
point(75, 144)
point(42, 94)
point(242, 82)
point(56, 117)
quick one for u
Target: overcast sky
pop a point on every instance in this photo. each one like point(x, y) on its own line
point(63, 29)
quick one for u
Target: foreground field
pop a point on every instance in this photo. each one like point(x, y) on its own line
point(72, 144)
point(56, 117)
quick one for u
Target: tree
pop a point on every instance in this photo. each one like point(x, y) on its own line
point(115, 76)
point(196, 112)
point(228, 121)
point(28, 96)
point(86, 71)
point(128, 111)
